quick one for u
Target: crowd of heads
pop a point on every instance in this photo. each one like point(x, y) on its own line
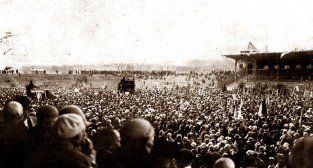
point(160, 127)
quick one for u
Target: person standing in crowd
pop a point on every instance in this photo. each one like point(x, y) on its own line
point(137, 139)
point(41, 136)
point(184, 158)
point(105, 142)
point(86, 143)
point(71, 147)
point(74, 109)
point(302, 153)
point(13, 135)
point(30, 118)
point(42, 132)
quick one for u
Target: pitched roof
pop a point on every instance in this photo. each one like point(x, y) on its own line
point(249, 48)
point(305, 54)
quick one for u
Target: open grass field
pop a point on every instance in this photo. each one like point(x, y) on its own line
point(94, 81)
point(110, 81)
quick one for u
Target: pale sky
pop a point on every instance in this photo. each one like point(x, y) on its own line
point(54, 32)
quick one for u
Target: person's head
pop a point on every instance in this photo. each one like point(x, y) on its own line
point(46, 115)
point(302, 153)
point(13, 112)
point(138, 135)
point(224, 163)
point(107, 139)
point(210, 158)
point(184, 158)
point(70, 127)
point(73, 109)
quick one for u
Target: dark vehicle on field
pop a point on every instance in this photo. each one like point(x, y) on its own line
point(34, 92)
point(126, 85)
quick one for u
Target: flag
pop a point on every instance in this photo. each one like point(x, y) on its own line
point(201, 92)
point(235, 114)
point(239, 115)
point(306, 94)
point(188, 88)
point(260, 110)
point(301, 116)
point(268, 99)
point(231, 108)
point(241, 103)
point(264, 108)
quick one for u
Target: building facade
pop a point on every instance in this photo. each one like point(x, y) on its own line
point(293, 65)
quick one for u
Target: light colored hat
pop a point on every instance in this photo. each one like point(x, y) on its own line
point(193, 144)
point(14, 111)
point(73, 109)
point(69, 125)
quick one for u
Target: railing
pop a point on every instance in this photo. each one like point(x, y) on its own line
point(282, 74)
point(231, 79)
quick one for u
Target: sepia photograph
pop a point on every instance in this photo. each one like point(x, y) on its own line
point(156, 84)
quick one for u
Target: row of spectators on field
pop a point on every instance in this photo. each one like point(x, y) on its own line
point(218, 75)
point(191, 128)
point(124, 72)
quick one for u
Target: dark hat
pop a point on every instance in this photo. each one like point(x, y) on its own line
point(46, 112)
point(136, 129)
point(73, 109)
point(24, 100)
point(185, 155)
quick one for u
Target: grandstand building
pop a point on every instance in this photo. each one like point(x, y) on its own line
point(292, 65)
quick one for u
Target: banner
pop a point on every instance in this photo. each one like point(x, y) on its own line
point(239, 115)
point(235, 114)
point(262, 109)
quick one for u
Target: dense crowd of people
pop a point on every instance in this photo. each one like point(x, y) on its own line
point(167, 127)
